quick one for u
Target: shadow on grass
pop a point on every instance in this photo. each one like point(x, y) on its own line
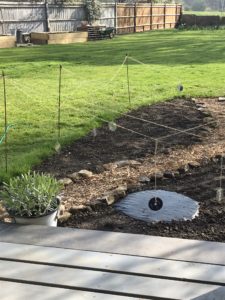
point(165, 48)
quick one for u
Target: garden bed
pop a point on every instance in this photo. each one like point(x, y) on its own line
point(58, 37)
point(123, 162)
point(7, 41)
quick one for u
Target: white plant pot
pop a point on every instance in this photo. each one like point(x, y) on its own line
point(48, 220)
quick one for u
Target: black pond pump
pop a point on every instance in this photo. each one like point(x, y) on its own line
point(155, 203)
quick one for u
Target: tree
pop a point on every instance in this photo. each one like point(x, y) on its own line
point(93, 10)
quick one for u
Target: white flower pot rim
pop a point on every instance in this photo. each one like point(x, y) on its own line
point(31, 217)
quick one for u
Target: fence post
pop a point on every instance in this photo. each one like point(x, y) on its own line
point(151, 16)
point(164, 19)
point(115, 16)
point(47, 16)
point(135, 17)
point(176, 17)
point(2, 22)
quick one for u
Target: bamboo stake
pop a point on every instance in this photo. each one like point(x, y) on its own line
point(128, 80)
point(5, 112)
point(59, 101)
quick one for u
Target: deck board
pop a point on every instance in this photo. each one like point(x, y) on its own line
point(38, 292)
point(98, 281)
point(115, 242)
point(198, 272)
point(84, 265)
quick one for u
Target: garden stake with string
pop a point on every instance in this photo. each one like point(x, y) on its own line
point(128, 80)
point(219, 192)
point(155, 203)
point(58, 146)
point(5, 112)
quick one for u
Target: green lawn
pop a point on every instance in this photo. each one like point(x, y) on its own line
point(205, 13)
point(194, 58)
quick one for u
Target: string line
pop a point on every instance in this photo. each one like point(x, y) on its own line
point(155, 162)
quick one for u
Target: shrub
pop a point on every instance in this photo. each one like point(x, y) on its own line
point(31, 195)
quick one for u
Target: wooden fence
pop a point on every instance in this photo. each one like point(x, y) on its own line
point(141, 17)
point(126, 18)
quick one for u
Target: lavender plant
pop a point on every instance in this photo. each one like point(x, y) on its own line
point(31, 194)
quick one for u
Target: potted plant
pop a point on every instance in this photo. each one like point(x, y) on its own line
point(32, 198)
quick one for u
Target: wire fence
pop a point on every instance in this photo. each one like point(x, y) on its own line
point(43, 113)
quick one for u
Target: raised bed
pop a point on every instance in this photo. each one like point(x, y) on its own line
point(58, 37)
point(7, 41)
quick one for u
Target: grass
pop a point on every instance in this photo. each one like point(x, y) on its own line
point(194, 58)
point(205, 13)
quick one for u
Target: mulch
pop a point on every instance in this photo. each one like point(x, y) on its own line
point(186, 164)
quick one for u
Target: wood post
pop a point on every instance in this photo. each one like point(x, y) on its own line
point(135, 17)
point(2, 22)
point(151, 18)
point(48, 27)
point(164, 18)
point(115, 16)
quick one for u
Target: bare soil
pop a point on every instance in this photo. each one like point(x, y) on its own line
point(189, 164)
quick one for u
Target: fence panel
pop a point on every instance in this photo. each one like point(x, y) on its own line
point(65, 18)
point(158, 15)
point(108, 15)
point(127, 18)
point(24, 16)
point(143, 19)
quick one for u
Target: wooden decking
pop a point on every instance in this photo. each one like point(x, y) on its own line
point(38, 262)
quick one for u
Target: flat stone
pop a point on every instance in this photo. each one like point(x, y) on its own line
point(201, 105)
point(194, 164)
point(221, 99)
point(109, 199)
point(74, 176)
point(144, 179)
point(61, 210)
point(124, 163)
point(200, 108)
point(169, 174)
point(64, 217)
point(76, 208)
point(183, 170)
point(207, 113)
point(115, 195)
point(157, 176)
point(208, 119)
point(66, 181)
point(85, 173)
point(109, 166)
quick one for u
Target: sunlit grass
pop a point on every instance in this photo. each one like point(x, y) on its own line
point(193, 58)
point(204, 13)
